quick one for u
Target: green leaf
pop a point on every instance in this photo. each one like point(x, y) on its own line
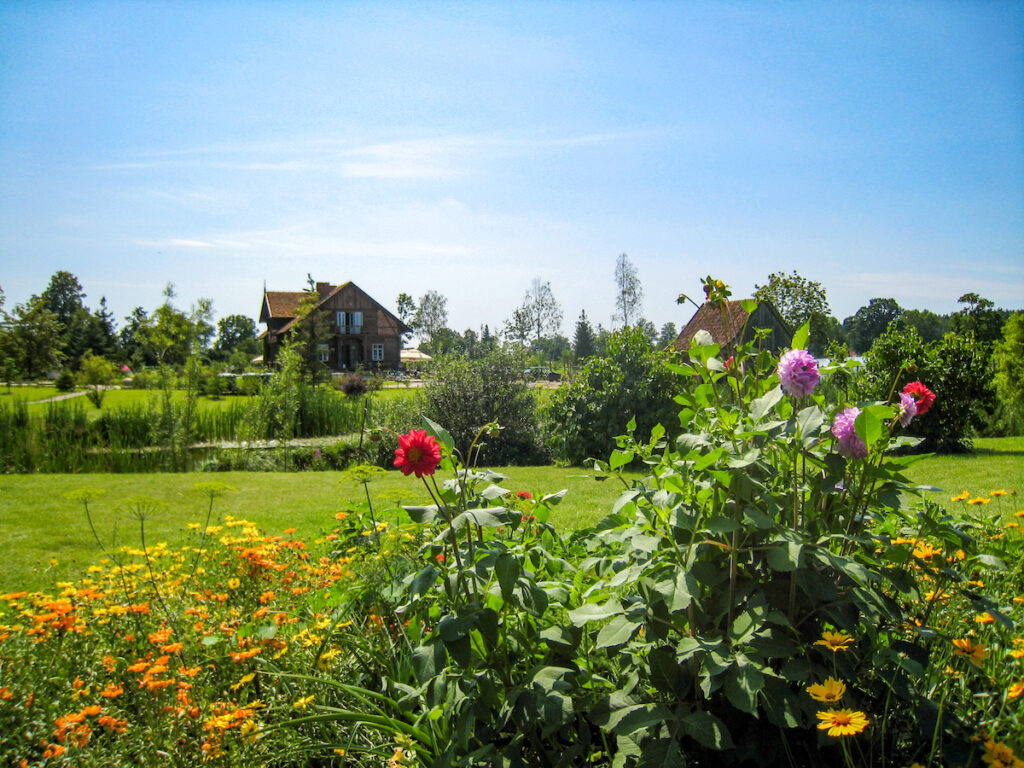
point(618, 631)
point(637, 717)
point(594, 612)
point(686, 588)
point(440, 434)
point(749, 305)
point(868, 427)
point(493, 517)
point(424, 580)
point(785, 556)
point(554, 498)
point(801, 335)
point(422, 514)
point(620, 458)
point(742, 683)
point(661, 753)
point(765, 403)
point(211, 640)
point(707, 730)
point(508, 570)
point(493, 492)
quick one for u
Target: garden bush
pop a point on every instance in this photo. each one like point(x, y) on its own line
point(958, 371)
point(466, 394)
point(629, 381)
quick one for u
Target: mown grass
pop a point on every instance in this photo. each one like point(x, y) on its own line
point(28, 394)
point(37, 524)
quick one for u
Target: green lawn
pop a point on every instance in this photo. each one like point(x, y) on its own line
point(37, 523)
point(28, 394)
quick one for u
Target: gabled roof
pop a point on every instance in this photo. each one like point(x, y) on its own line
point(285, 304)
point(281, 304)
point(726, 322)
point(723, 323)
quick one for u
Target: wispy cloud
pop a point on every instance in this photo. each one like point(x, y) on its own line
point(431, 157)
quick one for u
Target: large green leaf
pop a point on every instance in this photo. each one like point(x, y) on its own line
point(708, 730)
point(618, 631)
point(637, 717)
point(440, 434)
point(594, 612)
point(801, 335)
point(742, 683)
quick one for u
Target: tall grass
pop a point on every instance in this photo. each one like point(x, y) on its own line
point(160, 434)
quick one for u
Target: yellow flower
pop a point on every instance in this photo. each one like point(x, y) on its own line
point(967, 648)
point(984, 618)
point(960, 496)
point(842, 722)
point(998, 755)
point(979, 500)
point(1000, 492)
point(245, 679)
point(234, 583)
point(1015, 691)
point(303, 703)
point(835, 641)
point(830, 691)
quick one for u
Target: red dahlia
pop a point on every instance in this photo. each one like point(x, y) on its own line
point(417, 452)
point(924, 396)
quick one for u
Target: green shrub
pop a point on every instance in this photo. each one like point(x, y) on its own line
point(467, 394)
point(956, 368)
point(65, 381)
point(629, 381)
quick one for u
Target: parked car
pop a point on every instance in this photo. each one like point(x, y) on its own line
point(539, 373)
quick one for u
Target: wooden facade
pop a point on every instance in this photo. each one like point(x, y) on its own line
point(361, 332)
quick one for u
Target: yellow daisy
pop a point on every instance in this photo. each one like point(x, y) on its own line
point(976, 652)
point(842, 722)
point(960, 496)
point(998, 755)
point(1015, 691)
point(835, 641)
point(1000, 492)
point(830, 691)
point(979, 500)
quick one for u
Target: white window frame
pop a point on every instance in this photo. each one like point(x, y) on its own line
point(355, 322)
point(377, 353)
point(339, 320)
point(323, 353)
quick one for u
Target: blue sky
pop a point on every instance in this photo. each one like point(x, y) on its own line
point(469, 147)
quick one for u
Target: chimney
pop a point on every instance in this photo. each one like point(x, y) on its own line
point(323, 288)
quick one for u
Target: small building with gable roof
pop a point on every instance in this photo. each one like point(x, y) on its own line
point(361, 332)
point(729, 327)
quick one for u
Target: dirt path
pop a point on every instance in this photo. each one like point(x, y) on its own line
point(55, 398)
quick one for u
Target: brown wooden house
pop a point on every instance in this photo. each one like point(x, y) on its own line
point(363, 333)
point(726, 325)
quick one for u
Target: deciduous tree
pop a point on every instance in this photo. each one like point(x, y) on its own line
point(629, 293)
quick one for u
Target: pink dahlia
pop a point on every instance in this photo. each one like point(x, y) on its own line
point(848, 442)
point(798, 373)
point(908, 408)
point(924, 396)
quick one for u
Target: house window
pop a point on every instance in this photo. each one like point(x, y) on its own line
point(377, 353)
point(323, 353)
point(349, 322)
